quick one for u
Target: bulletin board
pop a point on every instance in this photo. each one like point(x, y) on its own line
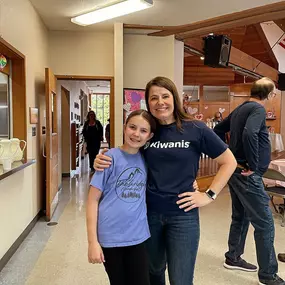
point(134, 99)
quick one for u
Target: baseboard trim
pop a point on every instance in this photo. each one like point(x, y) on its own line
point(4, 260)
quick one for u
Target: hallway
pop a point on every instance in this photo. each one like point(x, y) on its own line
point(57, 255)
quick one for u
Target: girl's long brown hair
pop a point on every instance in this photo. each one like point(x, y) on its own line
point(179, 114)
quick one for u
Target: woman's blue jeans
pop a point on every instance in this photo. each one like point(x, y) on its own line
point(174, 242)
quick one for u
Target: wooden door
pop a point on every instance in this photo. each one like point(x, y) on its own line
point(52, 180)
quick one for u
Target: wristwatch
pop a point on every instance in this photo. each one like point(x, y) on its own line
point(211, 194)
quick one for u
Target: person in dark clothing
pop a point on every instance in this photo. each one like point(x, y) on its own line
point(249, 142)
point(93, 135)
point(107, 133)
point(218, 117)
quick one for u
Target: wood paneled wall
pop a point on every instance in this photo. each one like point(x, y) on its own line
point(238, 94)
point(195, 72)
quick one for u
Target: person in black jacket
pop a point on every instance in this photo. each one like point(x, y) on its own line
point(249, 142)
point(93, 135)
point(107, 133)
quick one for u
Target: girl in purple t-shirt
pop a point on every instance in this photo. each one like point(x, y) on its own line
point(117, 224)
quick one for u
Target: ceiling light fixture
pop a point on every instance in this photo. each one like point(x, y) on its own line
point(106, 13)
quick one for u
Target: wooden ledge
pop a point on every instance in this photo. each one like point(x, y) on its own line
point(16, 167)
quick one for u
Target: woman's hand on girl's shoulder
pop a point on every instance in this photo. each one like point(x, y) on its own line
point(102, 161)
point(95, 253)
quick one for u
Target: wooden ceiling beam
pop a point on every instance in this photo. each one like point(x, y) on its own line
point(146, 27)
point(245, 61)
point(231, 24)
point(240, 59)
point(256, 15)
point(266, 45)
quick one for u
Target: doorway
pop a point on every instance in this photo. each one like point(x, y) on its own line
point(65, 129)
point(90, 80)
point(76, 94)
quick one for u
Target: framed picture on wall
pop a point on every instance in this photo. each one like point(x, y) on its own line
point(34, 115)
point(134, 99)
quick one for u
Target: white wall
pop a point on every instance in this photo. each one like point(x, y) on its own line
point(74, 88)
point(146, 57)
point(20, 194)
point(18, 205)
point(74, 53)
point(84, 54)
point(179, 66)
point(119, 81)
point(23, 29)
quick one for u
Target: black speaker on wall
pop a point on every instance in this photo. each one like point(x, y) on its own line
point(217, 50)
point(281, 81)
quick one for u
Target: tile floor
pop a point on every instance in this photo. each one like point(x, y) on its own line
point(58, 255)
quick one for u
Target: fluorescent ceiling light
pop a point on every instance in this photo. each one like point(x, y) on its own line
point(113, 11)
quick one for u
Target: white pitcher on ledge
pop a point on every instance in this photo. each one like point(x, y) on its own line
point(17, 149)
point(7, 153)
point(1, 150)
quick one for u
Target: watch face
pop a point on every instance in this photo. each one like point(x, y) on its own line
point(211, 193)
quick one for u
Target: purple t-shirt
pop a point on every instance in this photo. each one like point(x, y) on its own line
point(122, 219)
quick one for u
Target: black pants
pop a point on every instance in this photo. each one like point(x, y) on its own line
point(92, 152)
point(127, 265)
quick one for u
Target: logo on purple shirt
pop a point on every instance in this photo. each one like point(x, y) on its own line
point(130, 185)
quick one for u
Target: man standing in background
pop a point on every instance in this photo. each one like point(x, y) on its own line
point(249, 142)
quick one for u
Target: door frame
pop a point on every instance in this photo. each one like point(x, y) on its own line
point(112, 96)
point(66, 91)
point(18, 84)
point(51, 145)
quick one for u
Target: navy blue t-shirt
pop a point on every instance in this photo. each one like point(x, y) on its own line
point(172, 157)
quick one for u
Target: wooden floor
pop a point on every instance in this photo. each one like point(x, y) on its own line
point(207, 167)
point(278, 155)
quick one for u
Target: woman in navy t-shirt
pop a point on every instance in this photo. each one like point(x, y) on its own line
point(172, 157)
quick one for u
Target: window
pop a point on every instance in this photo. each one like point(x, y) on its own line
point(4, 106)
point(100, 104)
point(191, 93)
point(216, 93)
